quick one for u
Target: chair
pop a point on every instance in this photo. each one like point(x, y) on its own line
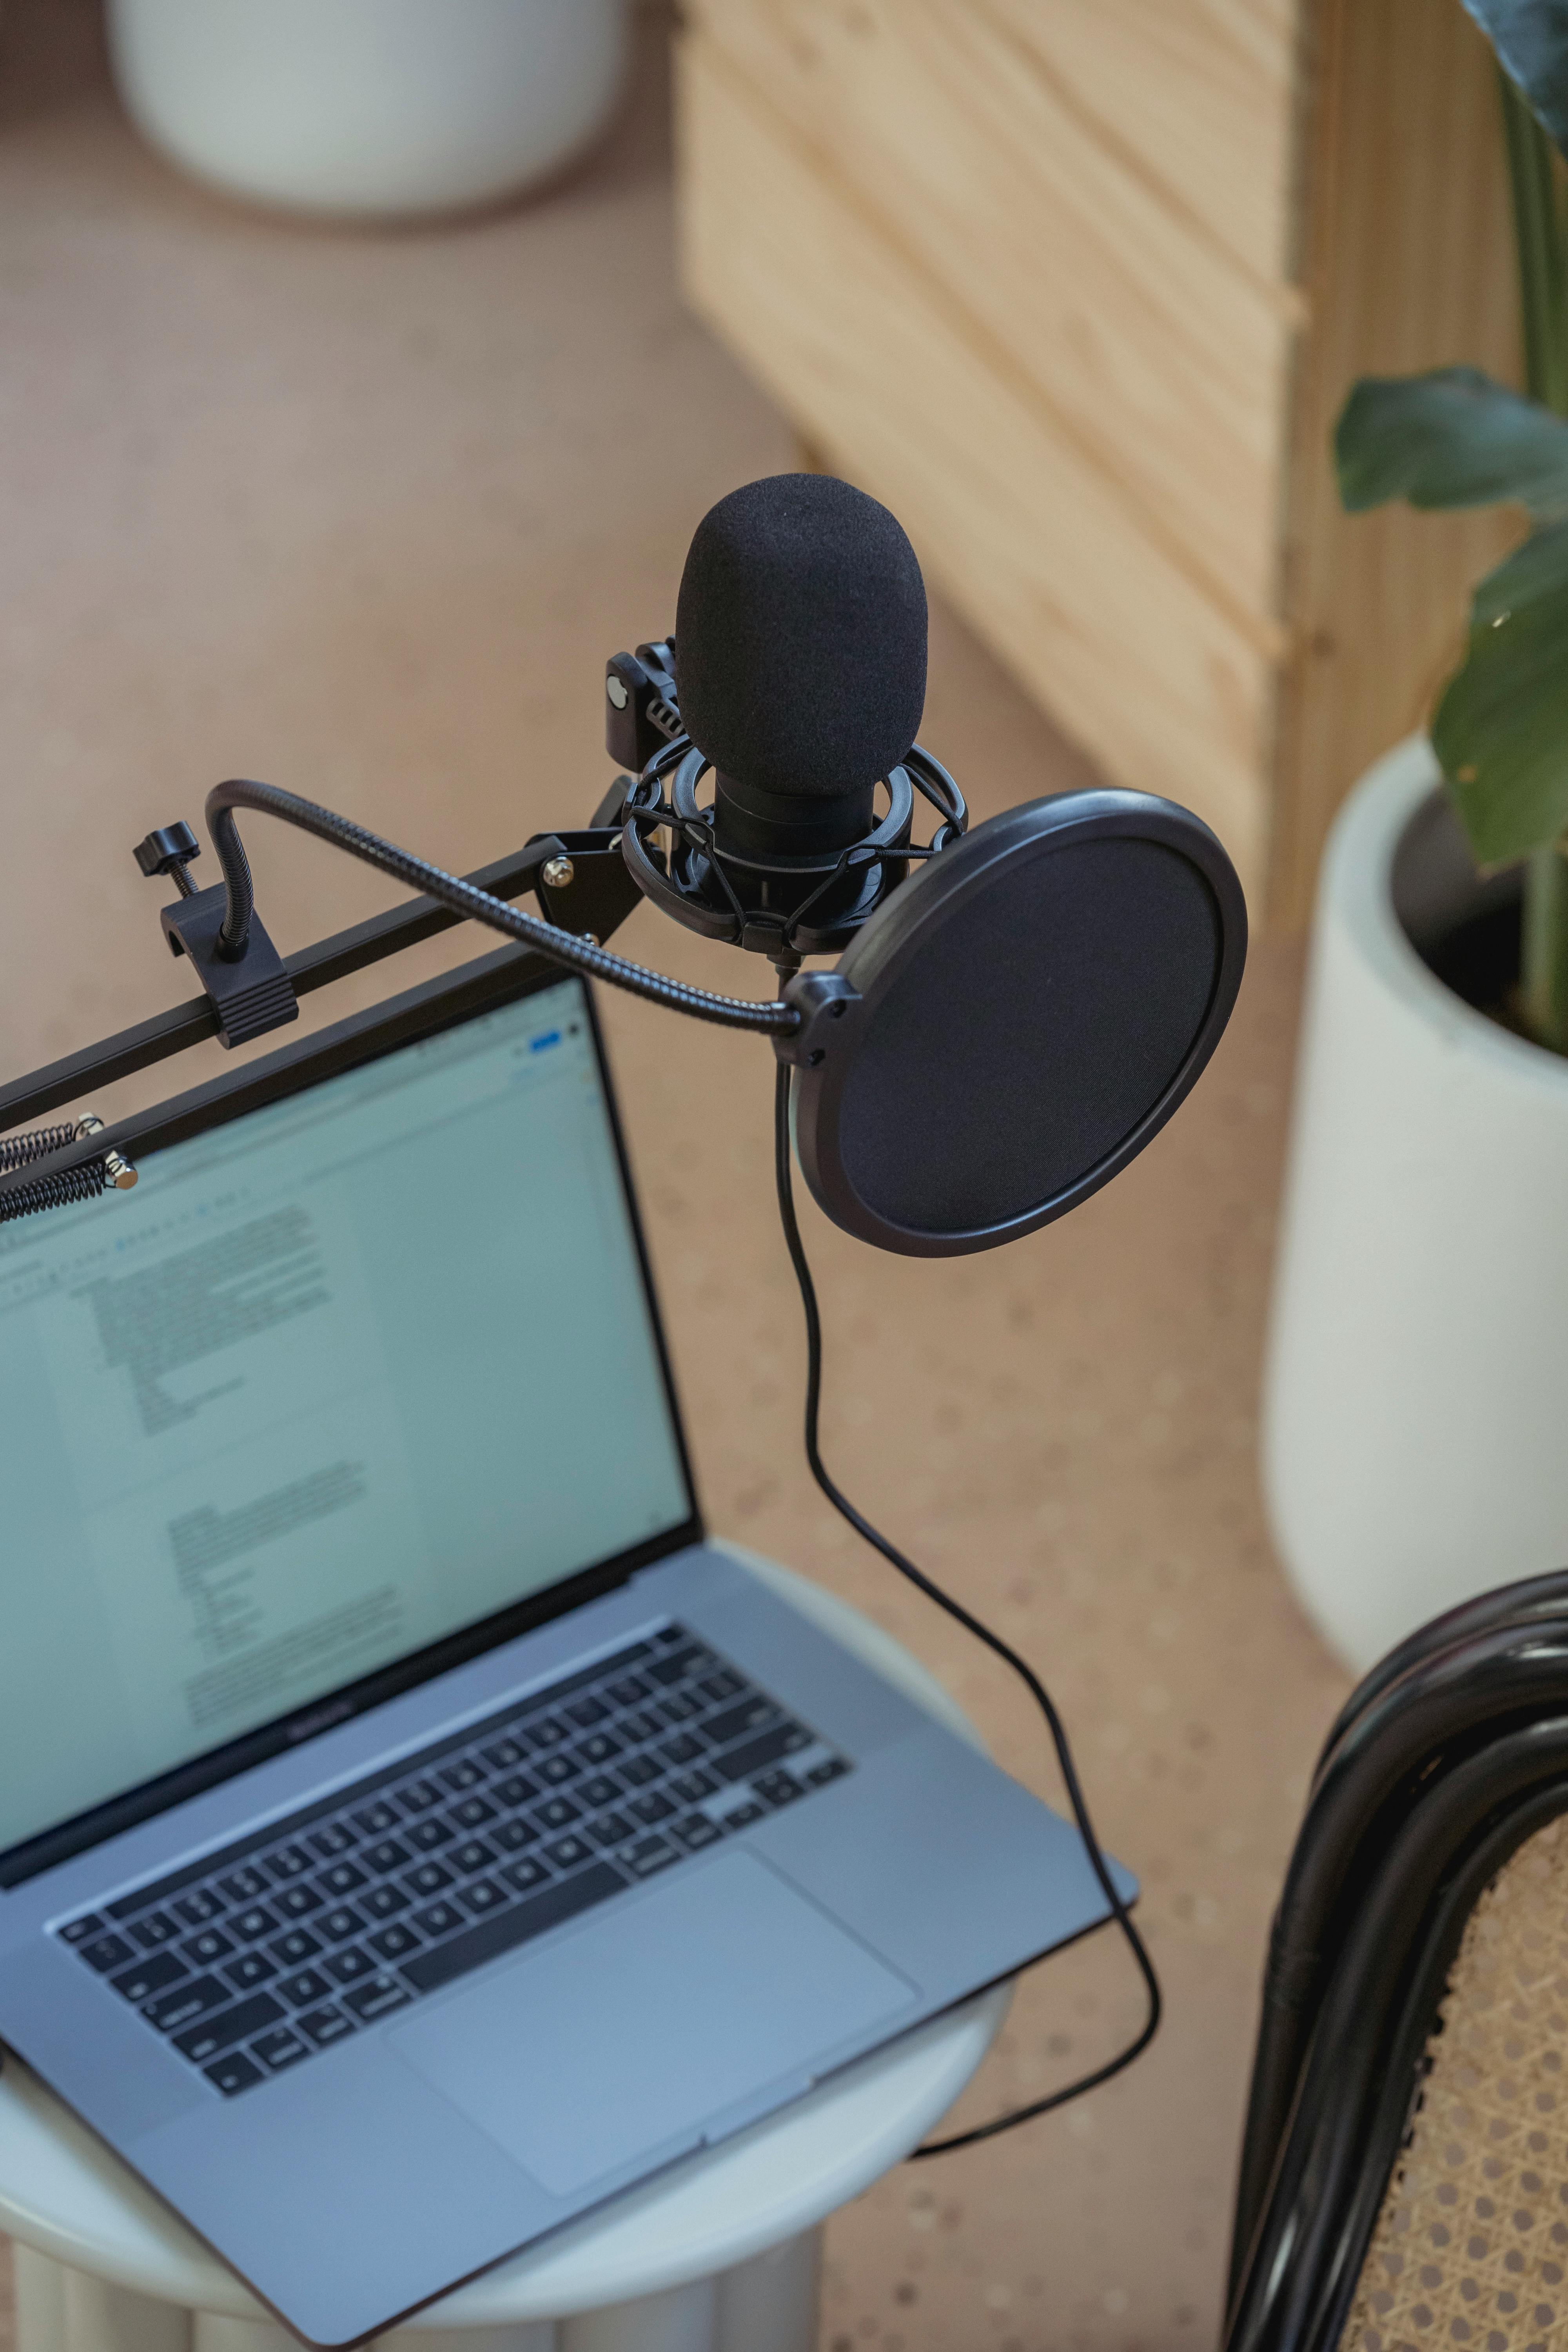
point(1405, 2168)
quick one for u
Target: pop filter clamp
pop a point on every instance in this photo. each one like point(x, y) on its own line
point(1007, 1025)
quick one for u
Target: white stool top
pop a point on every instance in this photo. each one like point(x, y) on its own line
point(62, 2191)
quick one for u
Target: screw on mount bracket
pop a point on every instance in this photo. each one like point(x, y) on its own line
point(250, 994)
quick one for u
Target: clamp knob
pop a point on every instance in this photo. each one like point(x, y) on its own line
point(169, 851)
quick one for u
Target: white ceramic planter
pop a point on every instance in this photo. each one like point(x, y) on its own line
point(368, 108)
point(1416, 1407)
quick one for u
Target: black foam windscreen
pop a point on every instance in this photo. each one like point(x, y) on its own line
point(800, 638)
point(1030, 1008)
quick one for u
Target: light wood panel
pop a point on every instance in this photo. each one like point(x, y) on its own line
point(1076, 287)
point(1006, 511)
point(1141, 342)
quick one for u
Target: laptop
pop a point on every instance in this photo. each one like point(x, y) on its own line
point(412, 1830)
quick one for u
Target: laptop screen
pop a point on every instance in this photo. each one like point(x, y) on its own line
point(341, 1377)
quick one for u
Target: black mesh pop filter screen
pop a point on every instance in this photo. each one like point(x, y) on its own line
point(1035, 1003)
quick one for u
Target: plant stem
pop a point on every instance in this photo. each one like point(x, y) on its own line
point(1544, 947)
point(1542, 242)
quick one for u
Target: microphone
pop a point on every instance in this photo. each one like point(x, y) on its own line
point(796, 676)
point(800, 661)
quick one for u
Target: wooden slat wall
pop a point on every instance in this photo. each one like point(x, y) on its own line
point(1030, 270)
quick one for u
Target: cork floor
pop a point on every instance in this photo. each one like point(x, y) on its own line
point(362, 514)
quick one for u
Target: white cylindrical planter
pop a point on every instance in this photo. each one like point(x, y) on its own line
point(367, 109)
point(1416, 1407)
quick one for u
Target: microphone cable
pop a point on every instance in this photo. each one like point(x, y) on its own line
point(982, 1632)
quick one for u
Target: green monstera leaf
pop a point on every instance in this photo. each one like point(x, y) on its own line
point(1531, 37)
point(1502, 728)
point(1452, 438)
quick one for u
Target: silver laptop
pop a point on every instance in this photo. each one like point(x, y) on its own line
point(411, 1831)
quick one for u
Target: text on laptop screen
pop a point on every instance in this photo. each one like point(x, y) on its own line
point(339, 1377)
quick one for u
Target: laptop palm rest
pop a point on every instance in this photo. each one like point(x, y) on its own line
point(635, 2030)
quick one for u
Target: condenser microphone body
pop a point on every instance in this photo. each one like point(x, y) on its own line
point(800, 660)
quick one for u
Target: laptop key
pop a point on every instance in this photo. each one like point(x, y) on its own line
point(641, 1726)
point(695, 1831)
point(371, 2001)
point(428, 1879)
point(234, 2073)
point(515, 1790)
point(157, 1928)
point(339, 1924)
point(557, 1814)
point(295, 1947)
point(692, 1787)
point(343, 1878)
point(483, 1895)
point(254, 1923)
point(210, 1946)
point(741, 1817)
point(568, 1851)
point(650, 1853)
point(628, 1690)
point(640, 1770)
point(439, 1920)
point(599, 1748)
point(558, 1767)
point(386, 1855)
point(336, 1838)
point(832, 1767)
point(612, 1829)
point(290, 1862)
point(106, 1952)
point(471, 1856)
point(249, 1971)
point(393, 1941)
point(527, 1874)
point(586, 1712)
point(683, 1749)
point(735, 1722)
point(677, 1708)
point(503, 1931)
point(463, 1774)
point(348, 1965)
point(304, 1989)
point(383, 1901)
point(546, 1732)
point(243, 1886)
point(280, 2048)
point(502, 1754)
point(652, 1808)
point(419, 1796)
point(753, 1756)
point(325, 2026)
point(213, 2034)
point(145, 1977)
point(183, 2003)
point(472, 1812)
point(725, 1684)
point(778, 1788)
point(602, 1790)
point(428, 1834)
point(377, 1819)
point(298, 1902)
point(198, 1907)
point(78, 1931)
point(514, 1835)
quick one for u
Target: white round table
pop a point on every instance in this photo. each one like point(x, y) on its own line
point(718, 2256)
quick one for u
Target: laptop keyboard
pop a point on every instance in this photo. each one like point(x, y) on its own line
point(255, 1959)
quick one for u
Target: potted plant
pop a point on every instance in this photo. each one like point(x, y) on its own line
point(1416, 1401)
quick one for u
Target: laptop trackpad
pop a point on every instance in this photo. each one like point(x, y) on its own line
point(653, 2018)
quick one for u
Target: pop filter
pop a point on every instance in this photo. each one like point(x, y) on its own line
point(1016, 1022)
